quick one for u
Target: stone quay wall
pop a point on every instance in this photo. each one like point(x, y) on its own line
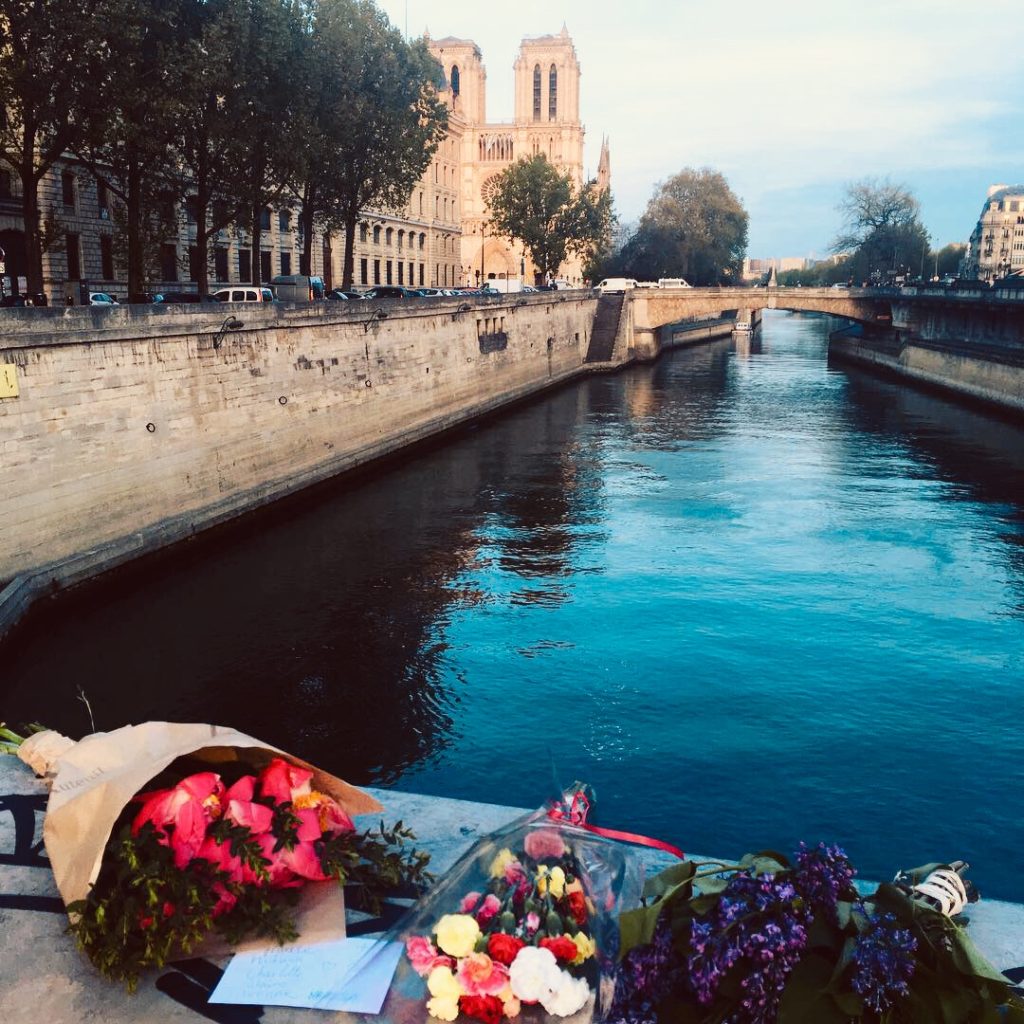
point(134, 427)
point(992, 374)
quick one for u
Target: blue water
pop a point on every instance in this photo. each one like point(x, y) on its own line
point(749, 597)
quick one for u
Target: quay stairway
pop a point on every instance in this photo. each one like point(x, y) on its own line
point(606, 327)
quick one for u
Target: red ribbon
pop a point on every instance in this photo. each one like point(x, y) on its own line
point(579, 808)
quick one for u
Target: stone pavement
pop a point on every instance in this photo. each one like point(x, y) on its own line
point(45, 980)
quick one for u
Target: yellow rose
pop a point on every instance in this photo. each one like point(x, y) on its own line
point(585, 948)
point(443, 1009)
point(502, 861)
point(542, 879)
point(443, 984)
point(510, 1003)
point(557, 882)
point(457, 934)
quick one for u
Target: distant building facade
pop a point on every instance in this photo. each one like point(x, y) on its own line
point(996, 248)
point(547, 120)
point(439, 240)
point(755, 269)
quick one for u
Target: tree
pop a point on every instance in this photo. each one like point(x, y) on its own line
point(694, 227)
point(375, 119)
point(882, 232)
point(533, 203)
point(946, 262)
point(130, 152)
point(53, 56)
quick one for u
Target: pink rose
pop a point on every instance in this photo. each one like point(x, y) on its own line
point(186, 810)
point(479, 975)
point(544, 844)
point(469, 902)
point(285, 782)
point(532, 923)
point(490, 906)
point(424, 957)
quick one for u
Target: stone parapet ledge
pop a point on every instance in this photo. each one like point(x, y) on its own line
point(43, 977)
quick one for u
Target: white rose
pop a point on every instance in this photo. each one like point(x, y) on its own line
point(534, 974)
point(568, 997)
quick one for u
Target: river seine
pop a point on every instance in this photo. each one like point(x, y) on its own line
point(749, 597)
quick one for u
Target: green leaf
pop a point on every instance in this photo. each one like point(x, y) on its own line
point(669, 879)
point(806, 997)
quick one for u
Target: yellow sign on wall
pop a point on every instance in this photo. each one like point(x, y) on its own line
point(8, 380)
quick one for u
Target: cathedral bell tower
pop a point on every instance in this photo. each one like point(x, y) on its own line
point(548, 81)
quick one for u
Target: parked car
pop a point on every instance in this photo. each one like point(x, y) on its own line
point(389, 291)
point(298, 287)
point(102, 299)
point(617, 284)
point(162, 298)
point(244, 293)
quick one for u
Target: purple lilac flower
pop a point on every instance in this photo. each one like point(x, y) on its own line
point(821, 875)
point(884, 962)
point(646, 975)
point(756, 921)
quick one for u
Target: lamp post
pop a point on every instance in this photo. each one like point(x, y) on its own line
point(483, 246)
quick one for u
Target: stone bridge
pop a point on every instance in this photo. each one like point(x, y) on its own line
point(986, 316)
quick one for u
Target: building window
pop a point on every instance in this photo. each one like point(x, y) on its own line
point(376, 271)
point(456, 80)
point(191, 209)
point(412, 275)
point(284, 220)
point(102, 200)
point(387, 272)
point(421, 202)
point(107, 257)
point(423, 240)
point(389, 236)
point(5, 185)
point(220, 263)
point(552, 93)
point(265, 271)
point(244, 266)
point(401, 273)
point(376, 234)
point(401, 239)
point(265, 218)
point(536, 92)
point(67, 187)
point(362, 271)
point(74, 257)
point(421, 275)
point(193, 264)
point(286, 263)
point(364, 233)
point(169, 262)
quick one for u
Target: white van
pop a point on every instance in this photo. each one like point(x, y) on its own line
point(672, 282)
point(244, 293)
point(504, 285)
point(617, 284)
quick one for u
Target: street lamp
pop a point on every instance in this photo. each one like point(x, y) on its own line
point(483, 246)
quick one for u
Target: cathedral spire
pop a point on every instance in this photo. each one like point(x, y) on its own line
point(604, 166)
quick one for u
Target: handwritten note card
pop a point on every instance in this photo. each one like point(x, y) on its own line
point(348, 974)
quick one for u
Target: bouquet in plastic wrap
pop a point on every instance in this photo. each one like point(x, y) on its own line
point(524, 926)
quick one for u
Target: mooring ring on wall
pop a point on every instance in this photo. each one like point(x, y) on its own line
point(283, 400)
point(151, 427)
point(368, 382)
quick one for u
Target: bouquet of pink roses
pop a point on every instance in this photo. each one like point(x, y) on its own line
point(231, 833)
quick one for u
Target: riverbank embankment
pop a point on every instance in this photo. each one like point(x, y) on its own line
point(992, 374)
point(126, 430)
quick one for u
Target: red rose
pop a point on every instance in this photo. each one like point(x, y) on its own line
point(486, 1008)
point(503, 948)
point(578, 907)
point(563, 948)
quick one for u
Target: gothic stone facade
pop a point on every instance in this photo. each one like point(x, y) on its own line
point(547, 120)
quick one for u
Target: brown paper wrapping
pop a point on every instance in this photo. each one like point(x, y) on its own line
point(98, 777)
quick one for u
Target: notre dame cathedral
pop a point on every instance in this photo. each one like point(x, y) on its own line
point(547, 120)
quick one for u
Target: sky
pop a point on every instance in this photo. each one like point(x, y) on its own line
point(791, 100)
